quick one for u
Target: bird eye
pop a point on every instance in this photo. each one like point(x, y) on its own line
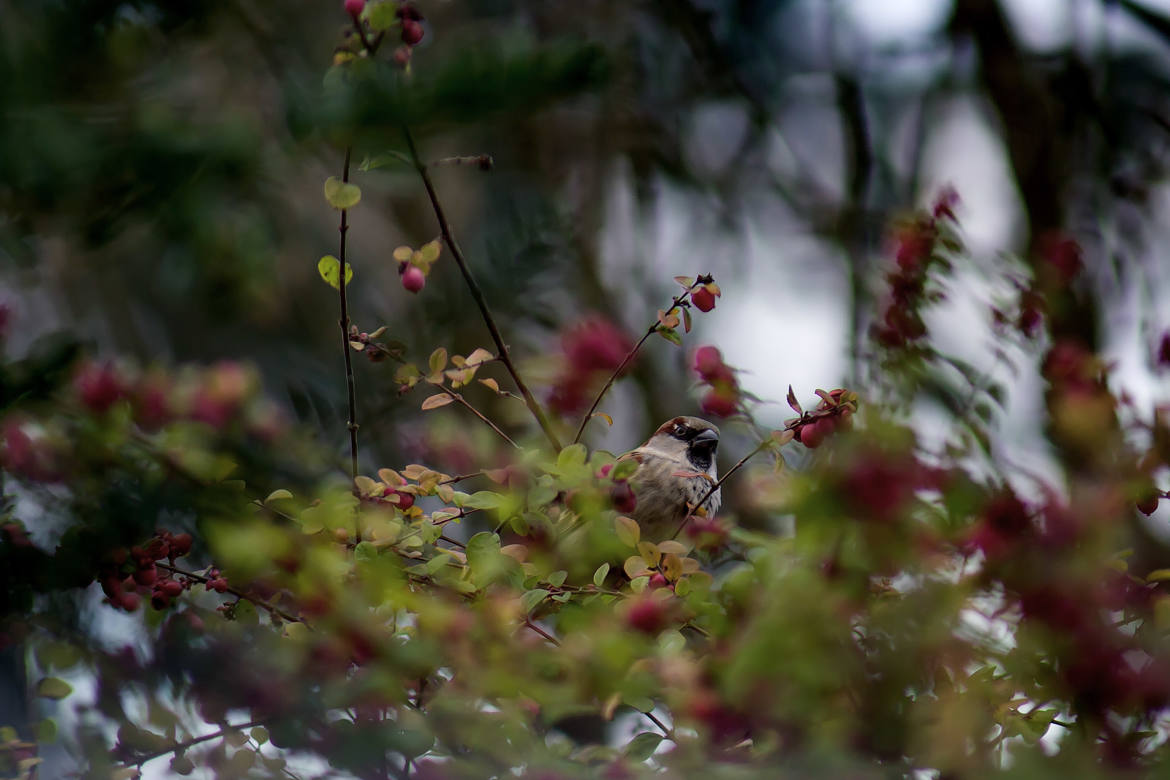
point(679, 430)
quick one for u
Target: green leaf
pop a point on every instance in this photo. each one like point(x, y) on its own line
point(600, 574)
point(572, 456)
point(327, 266)
point(381, 16)
point(54, 688)
point(557, 578)
point(45, 731)
point(643, 746)
point(671, 335)
point(277, 495)
point(484, 499)
point(532, 598)
point(260, 734)
point(341, 195)
point(429, 252)
point(624, 469)
point(365, 552)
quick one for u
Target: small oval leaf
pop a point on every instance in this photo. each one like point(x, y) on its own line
point(341, 195)
point(435, 401)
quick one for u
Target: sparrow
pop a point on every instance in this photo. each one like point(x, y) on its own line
point(677, 468)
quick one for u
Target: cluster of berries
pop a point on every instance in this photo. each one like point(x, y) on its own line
point(593, 349)
point(723, 394)
point(833, 413)
point(131, 574)
point(915, 242)
point(410, 19)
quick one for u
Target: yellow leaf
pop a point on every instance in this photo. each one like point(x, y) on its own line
point(435, 401)
point(478, 356)
point(649, 551)
point(627, 531)
point(491, 384)
point(403, 253)
point(635, 566)
point(1158, 575)
point(605, 417)
point(341, 195)
point(671, 547)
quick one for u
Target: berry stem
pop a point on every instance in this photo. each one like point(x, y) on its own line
point(287, 617)
point(352, 397)
point(625, 362)
point(477, 293)
point(765, 444)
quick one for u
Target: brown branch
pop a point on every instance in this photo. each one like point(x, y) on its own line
point(666, 732)
point(759, 448)
point(235, 592)
point(352, 422)
point(477, 293)
point(625, 362)
point(463, 401)
point(181, 746)
point(552, 639)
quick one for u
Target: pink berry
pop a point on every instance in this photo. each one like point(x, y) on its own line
point(657, 581)
point(405, 500)
point(703, 299)
point(413, 279)
point(412, 32)
point(355, 7)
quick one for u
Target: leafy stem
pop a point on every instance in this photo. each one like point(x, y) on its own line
point(477, 293)
point(351, 424)
point(459, 399)
point(678, 299)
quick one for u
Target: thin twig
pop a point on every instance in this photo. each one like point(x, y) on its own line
point(352, 423)
point(552, 639)
point(180, 746)
point(666, 732)
point(235, 592)
point(461, 477)
point(463, 401)
point(477, 294)
point(625, 362)
point(759, 448)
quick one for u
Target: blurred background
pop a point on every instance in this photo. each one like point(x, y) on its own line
point(161, 166)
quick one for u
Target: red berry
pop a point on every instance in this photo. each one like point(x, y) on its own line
point(708, 363)
point(405, 500)
point(408, 11)
point(648, 615)
point(657, 581)
point(1148, 505)
point(99, 387)
point(623, 497)
point(812, 434)
point(146, 576)
point(413, 279)
point(412, 32)
point(719, 404)
point(703, 299)
point(171, 588)
point(181, 545)
point(218, 585)
point(129, 601)
point(355, 7)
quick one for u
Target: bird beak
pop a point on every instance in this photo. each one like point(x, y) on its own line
point(707, 439)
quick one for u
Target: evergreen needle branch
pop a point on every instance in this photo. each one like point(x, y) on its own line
point(625, 362)
point(477, 293)
point(352, 397)
point(458, 398)
point(765, 444)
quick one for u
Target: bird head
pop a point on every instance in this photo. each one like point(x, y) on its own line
point(687, 439)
